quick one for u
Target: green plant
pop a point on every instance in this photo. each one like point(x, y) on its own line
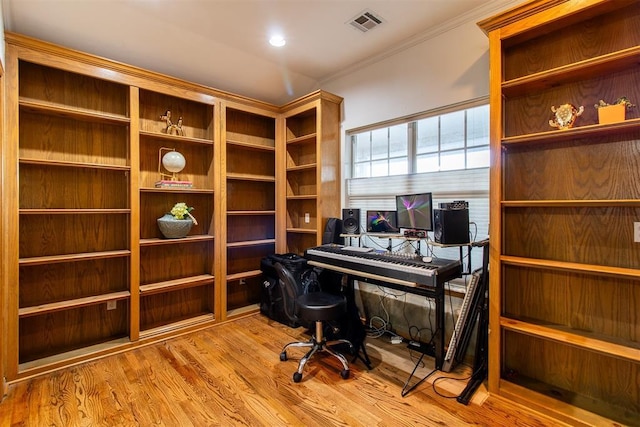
point(181, 210)
point(622, 100)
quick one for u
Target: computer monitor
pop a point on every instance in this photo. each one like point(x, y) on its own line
point(382, 222)
point(415, 211)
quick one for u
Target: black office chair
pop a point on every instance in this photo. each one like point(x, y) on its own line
point(317, 307)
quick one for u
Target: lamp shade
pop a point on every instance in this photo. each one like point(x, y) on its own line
point(173, 161)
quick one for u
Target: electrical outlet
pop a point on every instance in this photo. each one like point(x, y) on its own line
point(111, 305)
point(636, 232)
point(307, 218)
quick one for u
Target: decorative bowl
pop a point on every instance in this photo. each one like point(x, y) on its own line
point(173, 228)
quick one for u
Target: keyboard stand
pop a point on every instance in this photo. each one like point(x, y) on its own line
point(428, 351)
point(406, 390)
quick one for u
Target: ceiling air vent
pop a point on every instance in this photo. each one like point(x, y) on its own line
point(366, 21)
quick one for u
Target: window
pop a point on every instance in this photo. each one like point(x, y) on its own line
point(381, 152)
point(443, 141)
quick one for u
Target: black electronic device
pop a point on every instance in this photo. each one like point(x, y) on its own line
point(351, 221)
point(415, 211)
point(456, 204)
point(417, 234)
point(451, 226)
point(382, 222)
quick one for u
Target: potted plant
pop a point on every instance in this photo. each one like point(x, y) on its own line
point(177, 223)
point(613, 113)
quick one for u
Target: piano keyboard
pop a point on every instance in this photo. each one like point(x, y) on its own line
point(412, 271)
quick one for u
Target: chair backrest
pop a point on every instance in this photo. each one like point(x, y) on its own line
point(289, 289)
point(332, 231)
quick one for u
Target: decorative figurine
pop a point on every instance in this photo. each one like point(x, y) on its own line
point(166, 117)
point(170, 128)
point(565, 115)
point(178, 128)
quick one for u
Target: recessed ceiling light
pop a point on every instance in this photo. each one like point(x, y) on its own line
point(277, 41)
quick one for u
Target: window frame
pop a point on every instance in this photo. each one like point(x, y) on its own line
point(412, 156)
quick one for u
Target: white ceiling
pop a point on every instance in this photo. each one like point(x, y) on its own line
point(223, 43)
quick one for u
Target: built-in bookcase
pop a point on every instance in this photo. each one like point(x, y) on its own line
point(250, 158)
point(176, 275)
point(311, 169)
point(565, 277)
point(88, 272)
point(73, 233)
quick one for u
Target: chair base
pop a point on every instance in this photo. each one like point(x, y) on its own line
point(318, 344)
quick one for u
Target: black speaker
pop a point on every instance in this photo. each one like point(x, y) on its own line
point(451, 226)
point(351, 221)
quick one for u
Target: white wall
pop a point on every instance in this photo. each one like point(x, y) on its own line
point(447, 69)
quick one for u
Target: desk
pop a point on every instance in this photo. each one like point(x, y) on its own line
point(371, 269)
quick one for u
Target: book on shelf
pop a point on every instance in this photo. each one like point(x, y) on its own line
point(165, 183)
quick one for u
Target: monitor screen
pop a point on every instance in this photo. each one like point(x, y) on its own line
point(415, 211)
point(382, 222)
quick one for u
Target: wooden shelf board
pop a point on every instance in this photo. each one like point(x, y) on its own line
point(251, 146)
point(67, 358)
point(571, 266)
point(45, 107)
point(75, 303)
point(301, 230)
point(250, 213)
point(250, 177)
point(574, 338)
point(172, 285)
point(180, 325)
point(82, 165)
point(66, 211)
point(304, 138)
point(249, 243)
point(533, 396)
point(244, 275)
point(573, 133)
point(175, 138)
point(302, 168)
point(51, 259)
point(243, 311)
point(175, 190)
point(609, 63)
point(570, 203)
point(303, 197)
point(188, 239)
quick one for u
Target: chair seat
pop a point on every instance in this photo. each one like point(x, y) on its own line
point(320, 306)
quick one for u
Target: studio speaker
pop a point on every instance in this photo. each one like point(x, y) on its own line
point(451, 226)
point(351, 221)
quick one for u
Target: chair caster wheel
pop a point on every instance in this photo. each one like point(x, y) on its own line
point(297, 377)
point(283, 356)
point(345, 373)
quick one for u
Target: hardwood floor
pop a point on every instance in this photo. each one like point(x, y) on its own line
point(230, 374)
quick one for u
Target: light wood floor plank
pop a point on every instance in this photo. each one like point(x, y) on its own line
point(231, 374)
